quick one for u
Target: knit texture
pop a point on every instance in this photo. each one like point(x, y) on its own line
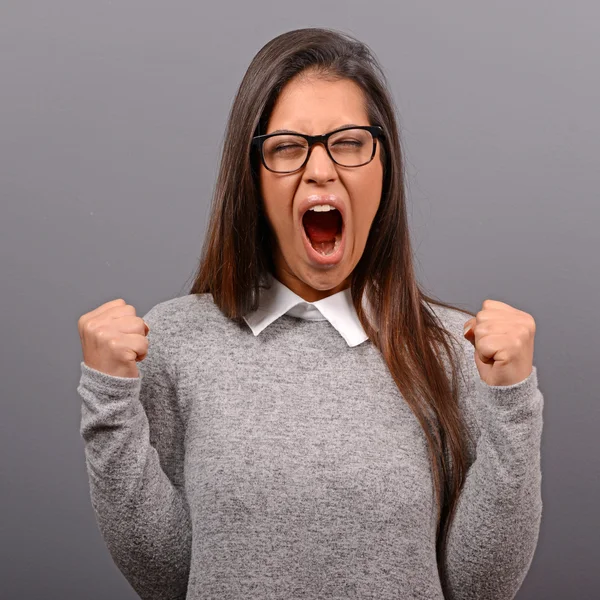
point(288, 466)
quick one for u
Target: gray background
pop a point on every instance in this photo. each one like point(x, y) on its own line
point(111, 124)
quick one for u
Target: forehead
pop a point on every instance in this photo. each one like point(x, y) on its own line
point(313, 106)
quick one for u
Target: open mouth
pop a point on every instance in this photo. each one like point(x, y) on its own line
point(324, 230)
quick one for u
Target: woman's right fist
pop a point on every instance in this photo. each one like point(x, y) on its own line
point(113, 339)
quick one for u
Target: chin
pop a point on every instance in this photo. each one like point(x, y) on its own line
point(324, 280)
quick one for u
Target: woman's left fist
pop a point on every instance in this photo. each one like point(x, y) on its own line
point(503, 338)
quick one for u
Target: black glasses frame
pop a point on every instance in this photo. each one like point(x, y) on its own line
point(375, 130)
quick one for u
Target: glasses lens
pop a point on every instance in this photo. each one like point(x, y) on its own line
point(285, 152)
point(349, 148)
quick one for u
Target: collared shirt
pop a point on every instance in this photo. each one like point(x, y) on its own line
point(337, 309)
point(252, 468)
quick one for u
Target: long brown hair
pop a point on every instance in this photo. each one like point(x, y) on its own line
point(237, 249)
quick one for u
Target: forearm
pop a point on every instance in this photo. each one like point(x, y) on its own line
point(144, 519)
point(494, 534)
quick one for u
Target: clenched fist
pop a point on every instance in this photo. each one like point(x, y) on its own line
point(113, 339)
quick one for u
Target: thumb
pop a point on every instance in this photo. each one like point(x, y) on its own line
point(468, 331)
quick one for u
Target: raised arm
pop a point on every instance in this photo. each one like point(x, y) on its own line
point(495, 530)
point(133, 438)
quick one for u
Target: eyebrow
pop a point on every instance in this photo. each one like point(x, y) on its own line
point(291, 131)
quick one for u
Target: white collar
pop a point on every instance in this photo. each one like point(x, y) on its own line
point(337, 309)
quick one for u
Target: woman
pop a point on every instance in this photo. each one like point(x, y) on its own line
point(307, 422)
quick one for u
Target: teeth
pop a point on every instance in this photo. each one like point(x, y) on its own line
point(322, 207)
point(320, 248)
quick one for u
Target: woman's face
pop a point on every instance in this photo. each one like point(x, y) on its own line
point(314, 106)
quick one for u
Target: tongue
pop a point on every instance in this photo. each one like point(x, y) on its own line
point(321, 226)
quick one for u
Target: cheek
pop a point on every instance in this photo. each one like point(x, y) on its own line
point(277, 199)
point(367, 196)
point(267, 194)
point(366, 217)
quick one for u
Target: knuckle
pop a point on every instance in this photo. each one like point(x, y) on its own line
point(89, 326)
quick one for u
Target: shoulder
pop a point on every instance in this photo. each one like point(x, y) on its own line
point(186, 317)
point(181, 310)
point(451, 319)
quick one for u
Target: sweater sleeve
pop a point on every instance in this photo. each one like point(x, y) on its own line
point(494, 534)
point(133, 444)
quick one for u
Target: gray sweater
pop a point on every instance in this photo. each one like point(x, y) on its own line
point(287, 466)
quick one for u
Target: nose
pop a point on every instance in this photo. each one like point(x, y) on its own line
point(319, 167)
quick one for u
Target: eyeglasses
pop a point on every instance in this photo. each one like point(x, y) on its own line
point(347, 147)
